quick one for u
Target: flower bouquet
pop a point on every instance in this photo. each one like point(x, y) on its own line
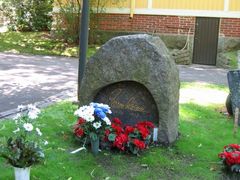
point(92, 124)
point(23, 149)
point(231, 157)
point(131, 139)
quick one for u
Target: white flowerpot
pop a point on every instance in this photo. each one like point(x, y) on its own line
point(22, 173)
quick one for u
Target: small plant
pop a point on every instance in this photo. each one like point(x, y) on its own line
point(131, 139)
point(92, 121)
point(23, 148)
point(231, 157)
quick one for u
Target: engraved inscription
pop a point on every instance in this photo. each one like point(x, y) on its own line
point(115, 97)
point(129, 101)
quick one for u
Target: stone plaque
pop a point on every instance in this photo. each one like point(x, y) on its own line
point(129, 101)
point(234, 86)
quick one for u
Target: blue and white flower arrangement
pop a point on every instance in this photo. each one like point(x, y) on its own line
point(92, 121)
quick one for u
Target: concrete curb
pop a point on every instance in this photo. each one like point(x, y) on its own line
point(65, 95)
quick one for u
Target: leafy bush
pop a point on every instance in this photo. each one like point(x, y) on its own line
point(67, 19)
point(26, 15)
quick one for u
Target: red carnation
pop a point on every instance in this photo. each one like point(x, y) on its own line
point(79, 132)
point(129, 129)
point(117, 121)
point(139, 144)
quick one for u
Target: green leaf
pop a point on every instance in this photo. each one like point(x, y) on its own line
point(111, 137)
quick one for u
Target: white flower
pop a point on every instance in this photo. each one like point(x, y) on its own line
point(45, 142)
point(31, 106)
point(32, 114)
point(17, 130)
point(39, 132)
point(17, 116)
point(85, 112)
point(33, 111)
point(21, 107)
point(28, 127)
point(107, 121)
point(97, 125)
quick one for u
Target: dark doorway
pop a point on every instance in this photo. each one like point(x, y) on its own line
point(206, 41)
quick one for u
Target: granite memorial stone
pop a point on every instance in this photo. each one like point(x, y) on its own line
point(137, 77)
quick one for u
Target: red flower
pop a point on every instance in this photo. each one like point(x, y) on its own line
point(231, 158)
point(139, 144)
point(120, 141)
point(117, 121)
point(143, 131)
point(146, 124)
point(129, 129)
point(234, 146)
point(81, 121)
point(79, 132)
point(107, 132)
point(117, 128)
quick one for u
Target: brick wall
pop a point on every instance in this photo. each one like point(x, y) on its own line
point(230, 27)
point(146, 23)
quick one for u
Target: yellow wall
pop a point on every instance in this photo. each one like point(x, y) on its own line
point(189, 4)
point(118, 4)
point(234, 5)
point(141, 3)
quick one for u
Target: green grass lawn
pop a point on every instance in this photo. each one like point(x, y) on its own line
point(37, 43)
point(204, 131)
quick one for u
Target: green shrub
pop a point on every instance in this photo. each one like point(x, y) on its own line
point(67, 19)
point(28, 15)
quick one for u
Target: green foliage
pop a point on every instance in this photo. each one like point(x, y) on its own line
point(21, 153)
point(28, 15)
point(66, 23)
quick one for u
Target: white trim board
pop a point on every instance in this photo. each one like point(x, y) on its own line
point(226, 5)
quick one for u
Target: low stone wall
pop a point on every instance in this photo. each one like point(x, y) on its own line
point(226, 44)
point(223, 61)
point(181, 56)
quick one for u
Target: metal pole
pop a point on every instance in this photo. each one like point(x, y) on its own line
point(83, 41)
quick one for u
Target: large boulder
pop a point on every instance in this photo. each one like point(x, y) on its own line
point(141, 59)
